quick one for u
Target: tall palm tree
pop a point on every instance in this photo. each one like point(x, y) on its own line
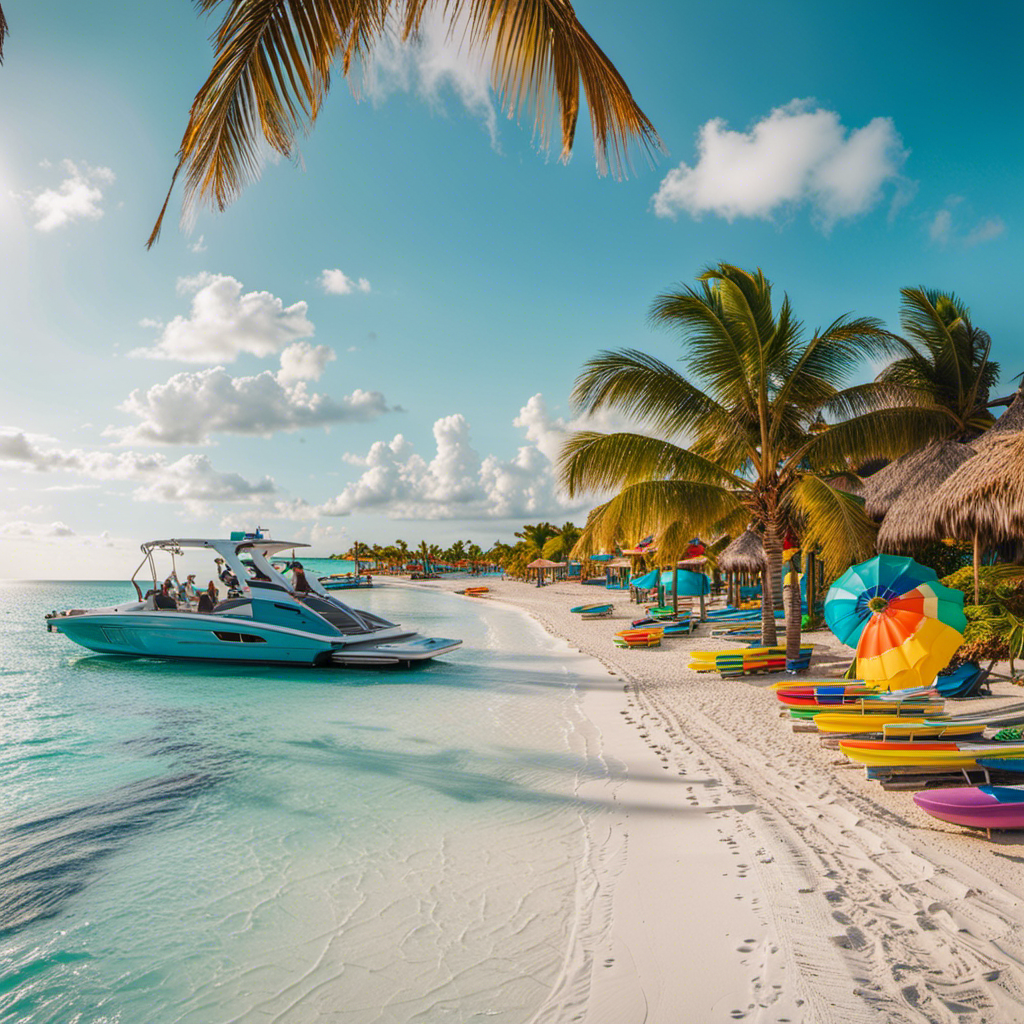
point(272, 71)
point(753, 411)
point(946, 358)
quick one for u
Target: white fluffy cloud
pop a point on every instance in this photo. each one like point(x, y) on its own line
point(224, 322)
point(303, 361)
point(191, 480)
point(336, 282)
point(21, 528)
point(190, 407)
point(77, 197)
point(457, 482)
point(438, 58)
point(793, 156)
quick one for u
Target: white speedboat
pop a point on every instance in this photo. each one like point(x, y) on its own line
point(264, 621)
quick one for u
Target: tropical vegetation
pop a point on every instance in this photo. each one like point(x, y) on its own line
point(945, 360)
point(764, 428)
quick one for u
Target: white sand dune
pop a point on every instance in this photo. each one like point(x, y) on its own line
point(762, 878)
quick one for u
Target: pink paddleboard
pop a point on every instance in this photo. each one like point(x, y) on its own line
point(976, 806)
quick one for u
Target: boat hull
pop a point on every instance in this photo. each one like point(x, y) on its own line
point(193, 637)
point(975, 806)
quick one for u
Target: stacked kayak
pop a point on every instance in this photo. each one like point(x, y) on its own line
point(853, 694)
point(953, 755)
point(638, 638)
point(748, 660)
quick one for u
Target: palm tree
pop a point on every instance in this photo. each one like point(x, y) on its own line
point(356, 552)
point(559, 547)
point(272, 71)
point(475, 554)
point(758, 451)
point(537, 535)
point(946, 358)
point(425, 556)
point(403, 552)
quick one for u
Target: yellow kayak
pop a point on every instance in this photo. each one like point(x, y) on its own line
point(924, 754)
point(856, 722)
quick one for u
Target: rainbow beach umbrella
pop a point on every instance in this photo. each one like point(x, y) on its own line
point(904, 624)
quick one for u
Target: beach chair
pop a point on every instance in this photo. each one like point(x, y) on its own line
point(965, 681)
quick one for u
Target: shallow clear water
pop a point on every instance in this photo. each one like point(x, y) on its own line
point(200, 844)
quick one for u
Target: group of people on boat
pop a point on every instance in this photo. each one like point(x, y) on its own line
point(174, 594)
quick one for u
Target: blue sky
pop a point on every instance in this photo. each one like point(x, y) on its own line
point(381, 342)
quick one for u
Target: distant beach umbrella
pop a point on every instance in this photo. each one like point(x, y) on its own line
point(904, 624)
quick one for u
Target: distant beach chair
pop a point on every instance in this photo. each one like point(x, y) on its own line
point(966, 681)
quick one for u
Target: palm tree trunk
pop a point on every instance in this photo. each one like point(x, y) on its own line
point(812, 589)
point(791, 597)
point(977, 562)
point(771, 573)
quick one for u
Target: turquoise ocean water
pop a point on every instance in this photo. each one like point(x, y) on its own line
point(204, 844)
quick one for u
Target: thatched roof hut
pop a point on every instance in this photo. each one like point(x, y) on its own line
point(918, 472)
point(1011, 422)
point(985, 496)
point(744, 554)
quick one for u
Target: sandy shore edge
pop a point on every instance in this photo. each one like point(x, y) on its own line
point(764, 880)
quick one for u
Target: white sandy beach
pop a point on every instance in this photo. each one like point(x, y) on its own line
point(762, 877)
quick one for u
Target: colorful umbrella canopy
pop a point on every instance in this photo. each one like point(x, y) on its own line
point(904, 624)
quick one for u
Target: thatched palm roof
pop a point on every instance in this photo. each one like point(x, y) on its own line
point(917, 472)
point(1011, 422)
point(986, 494)
point(744, 554)
point(910, 521)
point(544, 563)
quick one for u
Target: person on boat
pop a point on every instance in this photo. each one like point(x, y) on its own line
point(188, 589)
point(208, 599)
point(299, 582)
point(164, 600)
point(227, 577)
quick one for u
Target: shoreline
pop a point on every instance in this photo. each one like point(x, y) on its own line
point(854, 905)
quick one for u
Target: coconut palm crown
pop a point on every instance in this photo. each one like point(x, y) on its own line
point(274, 58)
point(946, 358)
point(766, 418)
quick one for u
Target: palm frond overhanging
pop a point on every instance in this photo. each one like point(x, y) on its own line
point(272, 71)
point(4, 29)
point(754, 432)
